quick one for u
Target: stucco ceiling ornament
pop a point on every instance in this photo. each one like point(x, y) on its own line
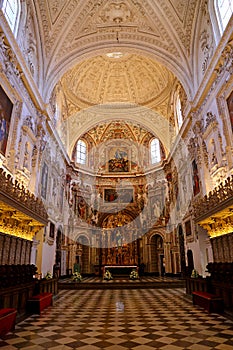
point(181, 14)
point(116, 11)
point(118, 130)
point(91, 16)
point(131, 78)
point(78, 124)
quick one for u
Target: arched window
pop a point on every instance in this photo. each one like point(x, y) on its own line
point(224, 10)
point(179, 112)
point(155, 151)
point(81, 152)
point(11, 10)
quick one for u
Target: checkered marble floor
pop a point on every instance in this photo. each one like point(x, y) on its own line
point(140, 319)
point(126, 279)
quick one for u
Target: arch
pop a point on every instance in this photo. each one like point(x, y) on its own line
point(58, 258)
point(177, 67)
point(157, 254)
point(83, 253)
point(190, 262)
point(182, 250)
point(89, 118)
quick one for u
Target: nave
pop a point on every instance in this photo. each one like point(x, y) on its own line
point(139, 319)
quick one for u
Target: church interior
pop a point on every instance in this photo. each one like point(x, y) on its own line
point(116, 174)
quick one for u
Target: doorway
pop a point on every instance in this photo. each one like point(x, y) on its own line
point(157, 256)
point(83, 254)
point(182, 251)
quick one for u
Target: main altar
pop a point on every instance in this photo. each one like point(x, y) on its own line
point(120, 260)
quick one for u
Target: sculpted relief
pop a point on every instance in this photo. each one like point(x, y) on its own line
point(116, 12)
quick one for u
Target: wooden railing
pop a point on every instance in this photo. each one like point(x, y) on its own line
point(46, 286)
point(17, 286)
point(219, 283)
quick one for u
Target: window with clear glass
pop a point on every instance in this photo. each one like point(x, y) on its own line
point(224, 12)
point(179, 113)
point(81, 152)
point(11, 10)
point(155, 151)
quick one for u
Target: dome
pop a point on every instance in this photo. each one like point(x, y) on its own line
point(117, 77)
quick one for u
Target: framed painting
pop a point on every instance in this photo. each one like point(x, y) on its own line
point(110, 195)
point(118, 160)
point(122, 195)
point(188, 228)
point(230, 108)
point(6, 107)
point(44, 180)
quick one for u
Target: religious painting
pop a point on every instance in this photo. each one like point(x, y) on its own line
point(230, 108)
point(110, 195)
point(6, 107)
point(122, 195)
point(196, 182)
point(188, 228)
point(44, 180)
point(118, 160)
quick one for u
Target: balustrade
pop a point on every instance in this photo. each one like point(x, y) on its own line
point(220, 195)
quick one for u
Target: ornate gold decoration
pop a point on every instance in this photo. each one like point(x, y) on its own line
point(214, 212)
point(118, 130)
point(131, 78)
point(16, 223)
point(21, 213)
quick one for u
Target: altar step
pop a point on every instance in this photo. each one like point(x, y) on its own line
point(122, 283)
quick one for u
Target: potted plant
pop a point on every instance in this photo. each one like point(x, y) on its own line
point(134, 275)
point(48, 275)
point(108, 275)
point(194, 274)
point(77, 277)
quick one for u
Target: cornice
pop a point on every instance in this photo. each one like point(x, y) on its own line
point(216, 66)
point(10, 42)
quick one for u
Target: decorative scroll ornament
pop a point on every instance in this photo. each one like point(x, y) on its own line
point(21, 213)
point(214, 212)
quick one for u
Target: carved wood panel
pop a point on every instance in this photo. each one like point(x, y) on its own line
point(14, 250)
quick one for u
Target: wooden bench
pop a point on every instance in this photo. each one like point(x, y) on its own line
point(39, 302)
point(7, 320)
point(210, 302)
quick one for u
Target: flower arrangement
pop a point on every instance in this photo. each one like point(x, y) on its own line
point(194, 274)
point(77, 277)
point(108, 275)
point(48, 275)
point(134, 275)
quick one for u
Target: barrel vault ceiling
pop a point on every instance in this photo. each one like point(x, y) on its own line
point(101, 52)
